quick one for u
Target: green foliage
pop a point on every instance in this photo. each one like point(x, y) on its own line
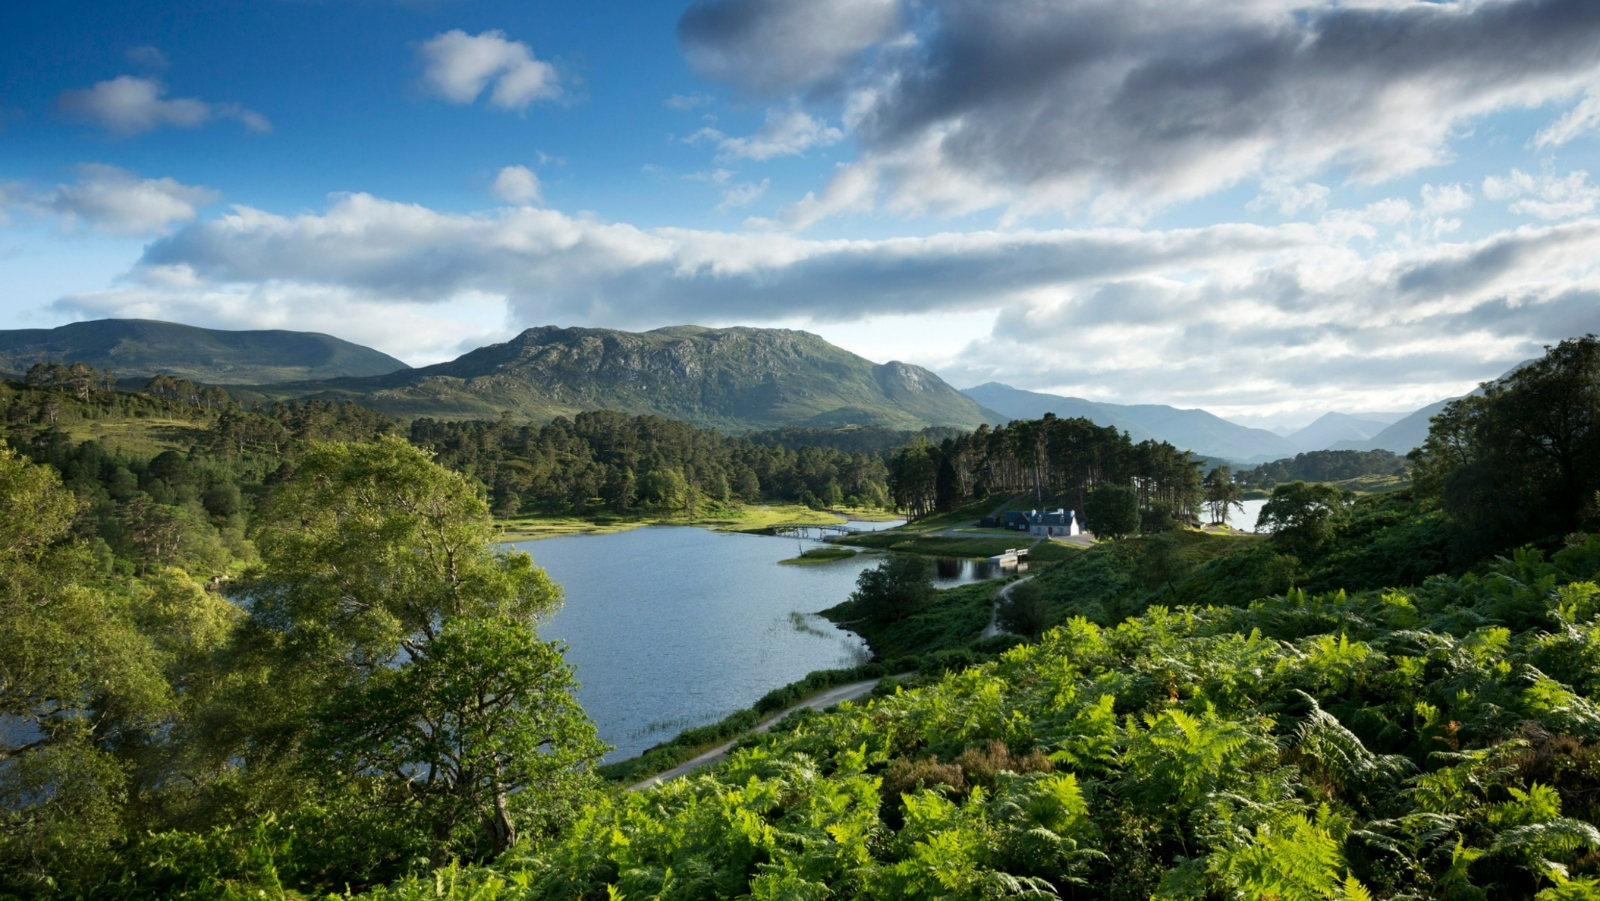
point(1521, 462)
point(487, 713)
point(1245, 755)
point(1303, 517)
point(1322, 466)
point(894, 589)
point(1024, 610)
point(613, 463)
point(1112, 512)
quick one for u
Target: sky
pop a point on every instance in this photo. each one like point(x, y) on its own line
point(1267, 208)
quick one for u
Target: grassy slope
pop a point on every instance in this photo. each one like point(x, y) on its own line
point(135, 347)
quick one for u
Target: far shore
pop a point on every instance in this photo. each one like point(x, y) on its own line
point(753, 518)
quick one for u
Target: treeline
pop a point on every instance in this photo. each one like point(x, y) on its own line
point(852, 439)
point(1053, 460)
point(140, 512)
point(1322, 466)
point(621, 464)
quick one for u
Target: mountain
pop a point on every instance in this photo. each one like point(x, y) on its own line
point(1412, 430)
point(734, 379)
point(1332, 428)
point(140, 348)
point(1404, 435)
point(1196, 430)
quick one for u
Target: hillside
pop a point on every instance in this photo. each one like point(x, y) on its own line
point(140, 348)
point(1196, 430)
point(732, 379)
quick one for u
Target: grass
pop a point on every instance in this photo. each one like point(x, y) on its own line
point(724, 518)
point(138, 437)
point(819, 555)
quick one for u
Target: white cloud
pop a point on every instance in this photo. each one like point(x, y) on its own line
point(516, 184)
point(1439, 199)
point(115, 201)
point(1544, 196)
point(127, 105)
point(1292, 198)
point(459, 66)
point(1580, 120)
point(787, 132)
point(743, 194)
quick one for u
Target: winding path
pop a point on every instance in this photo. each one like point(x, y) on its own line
point(851, 692)
point(993, 628)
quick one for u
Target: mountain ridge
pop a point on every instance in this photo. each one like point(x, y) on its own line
point(142, 348)
point(737, 378)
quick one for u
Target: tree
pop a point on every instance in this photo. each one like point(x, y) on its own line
point(1222, 493)
point(76, 680)
point(1520, 462)
point(385, 590)
point(1303, 517)
point(1112, 511)
point(480, 737)
point(894, 589)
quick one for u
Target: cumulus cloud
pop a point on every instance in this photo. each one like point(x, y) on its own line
point(127, 105)
point(1544, 196)
point(458, 67)
point(516, 184)
point(773, 46)
point(1120, 107)
point(115, 201)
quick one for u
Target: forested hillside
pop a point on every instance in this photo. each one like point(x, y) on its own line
point(1322, 466)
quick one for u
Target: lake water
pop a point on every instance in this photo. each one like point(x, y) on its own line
point(671, 627)
point(1247, 519)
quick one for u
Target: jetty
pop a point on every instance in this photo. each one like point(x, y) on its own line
point(1010, 557)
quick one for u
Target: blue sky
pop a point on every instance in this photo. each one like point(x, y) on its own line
point(1268, 208)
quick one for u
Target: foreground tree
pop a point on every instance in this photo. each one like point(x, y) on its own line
point(478, 741)
point(77, 680)
point(396, 641)
point(1521, 462)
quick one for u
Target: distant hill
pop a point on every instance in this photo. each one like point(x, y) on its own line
point(1332, 428)
point(1204, 433)
point(1404, 435)
point(733, 379)
point(140, 348)
point(1412, 430)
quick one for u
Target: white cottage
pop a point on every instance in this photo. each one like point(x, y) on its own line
point(1052, 524)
